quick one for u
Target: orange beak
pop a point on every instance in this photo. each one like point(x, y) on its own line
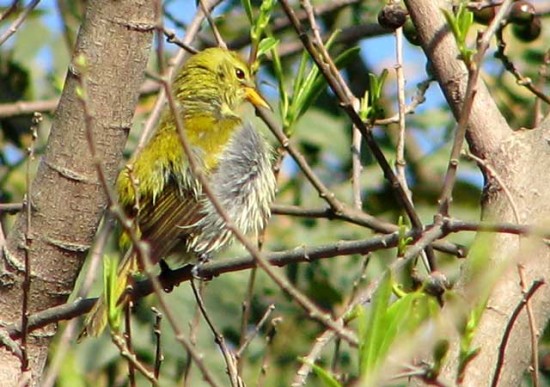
point(255, 98)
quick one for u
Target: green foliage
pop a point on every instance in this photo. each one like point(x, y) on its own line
point(371, 106)
point(258, 28)
point(483, 275)
point(460, 23)
point(403, 240)
point(326, 377)
point(111, 293)
point(440, 351)
point(266, 45)
point(308, 85)
point(386, 322)
point(309, 112)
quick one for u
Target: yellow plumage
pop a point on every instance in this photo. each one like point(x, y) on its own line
point(159, 191)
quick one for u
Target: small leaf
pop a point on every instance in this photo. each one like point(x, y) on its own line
point(451, 20)
point(372, 334)
point(114, 313)
point(326, 377)
point(283, 95)
point(266, 45)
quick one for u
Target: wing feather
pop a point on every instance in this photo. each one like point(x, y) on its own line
point(169, 221)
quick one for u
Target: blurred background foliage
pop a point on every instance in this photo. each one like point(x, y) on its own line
point(32, 68)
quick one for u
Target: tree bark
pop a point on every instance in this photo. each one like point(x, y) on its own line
point(67, 198)
point(519, 162)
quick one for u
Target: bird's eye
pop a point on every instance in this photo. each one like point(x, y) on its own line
point(239, 73)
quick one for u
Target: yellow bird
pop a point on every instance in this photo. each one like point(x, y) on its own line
point(159, 191)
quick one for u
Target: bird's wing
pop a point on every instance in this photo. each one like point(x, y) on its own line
point(170, 220)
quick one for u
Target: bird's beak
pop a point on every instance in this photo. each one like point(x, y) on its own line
point(255, 98)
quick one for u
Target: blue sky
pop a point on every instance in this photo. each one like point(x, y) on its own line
point(414, 63)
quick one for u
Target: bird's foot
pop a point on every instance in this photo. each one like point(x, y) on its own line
point(203, 258)
point(165, 272)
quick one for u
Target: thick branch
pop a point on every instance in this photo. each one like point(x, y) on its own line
point(487, 128)
point(67, 200)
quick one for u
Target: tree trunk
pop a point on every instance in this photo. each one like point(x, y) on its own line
point(519, 163)
point(67, 198)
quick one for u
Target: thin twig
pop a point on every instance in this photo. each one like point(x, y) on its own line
point(326, 337)
point(255, 332)
point(175, 63)
point(228, 356)
point(471, 87)
point(432, 233)
point(283, 258)
point(27, 107)
point(159, 357)
point(140, 248)
point(314, 312)
point(71, 330)
point(512, 69)
point(400, 162)
point(159, 32)
point(308, 361)
point(356, 168)
point(10, 344)
point(492, 172)
point(418, 99)
point(194, 326)
point(534, 369)
point(172, 38)
point(457, 225)
point(326, 66)
point(423, 373)
point(508, 330)
point(217, 35)
point(11, 208)
point(362, 219)
point(129, 345)
point(131, 357)
point(280, 23)
point(17, 22)
point(267, 355)
point(246, 308)
point(2, 239)
point(12, 8)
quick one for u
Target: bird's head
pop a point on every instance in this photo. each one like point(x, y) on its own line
point(216, 81)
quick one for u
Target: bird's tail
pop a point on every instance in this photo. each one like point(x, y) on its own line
point(97, 318)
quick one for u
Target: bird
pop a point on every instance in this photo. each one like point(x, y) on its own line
point(159, 191)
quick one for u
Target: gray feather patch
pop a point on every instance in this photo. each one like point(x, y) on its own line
point(245, 186)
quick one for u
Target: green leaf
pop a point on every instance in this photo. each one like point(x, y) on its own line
point(451, 20)
point(326, 377)
point(373, 331)
point(370, 105)
point(403, 240)
point(308, 90)
point(266, 45)
point(114, 313)
point(261, 21)
point(387, 322)
point(283, 95)
point(465, 21)
point(460, 24)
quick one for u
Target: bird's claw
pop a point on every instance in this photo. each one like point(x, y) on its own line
point(203, 258)
point(165, 271)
